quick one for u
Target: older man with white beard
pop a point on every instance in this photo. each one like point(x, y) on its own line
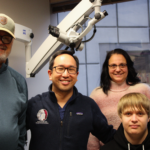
point(13, 93)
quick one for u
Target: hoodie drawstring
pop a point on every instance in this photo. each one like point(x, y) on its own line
point(143, 147)
point(129, 147)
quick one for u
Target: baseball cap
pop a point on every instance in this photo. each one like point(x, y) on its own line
point(7, 24)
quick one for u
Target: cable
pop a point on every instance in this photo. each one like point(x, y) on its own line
point(94, 31)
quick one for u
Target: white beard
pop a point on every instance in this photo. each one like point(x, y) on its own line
point(3, 57)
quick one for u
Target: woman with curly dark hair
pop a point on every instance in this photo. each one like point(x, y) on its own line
point(118, 78)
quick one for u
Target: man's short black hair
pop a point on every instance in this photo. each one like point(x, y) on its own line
point(60, 52)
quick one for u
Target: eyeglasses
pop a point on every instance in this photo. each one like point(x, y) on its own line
point(114, 66)
point(6, 39)
point(61, 69)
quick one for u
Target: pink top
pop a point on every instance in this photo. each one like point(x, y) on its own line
point(108, 104)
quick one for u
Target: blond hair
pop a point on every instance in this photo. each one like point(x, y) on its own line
point(134, 100)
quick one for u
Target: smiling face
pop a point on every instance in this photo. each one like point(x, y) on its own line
point(63, 82)
point(134, 122)
point(5, 49)
point(118, 74)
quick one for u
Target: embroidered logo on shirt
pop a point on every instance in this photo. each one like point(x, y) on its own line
point(42, 116)
point(79, 113)
point(3, 20)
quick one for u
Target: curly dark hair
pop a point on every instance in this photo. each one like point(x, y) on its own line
point(132, 78)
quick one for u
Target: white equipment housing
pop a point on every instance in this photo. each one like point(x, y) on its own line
point(24, 35)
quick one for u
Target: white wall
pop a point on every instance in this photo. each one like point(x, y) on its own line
point(34, 14)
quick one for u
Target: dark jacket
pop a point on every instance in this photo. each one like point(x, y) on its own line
point(82, 116)
point(120, 142)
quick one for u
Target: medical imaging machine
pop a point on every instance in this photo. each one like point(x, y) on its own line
point(65, 33)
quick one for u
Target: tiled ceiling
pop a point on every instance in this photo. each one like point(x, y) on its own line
point(66, 5)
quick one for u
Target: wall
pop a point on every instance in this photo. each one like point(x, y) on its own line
point(126, 27)
point(34, 14)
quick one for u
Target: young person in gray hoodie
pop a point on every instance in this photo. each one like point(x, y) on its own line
point(134, 131)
